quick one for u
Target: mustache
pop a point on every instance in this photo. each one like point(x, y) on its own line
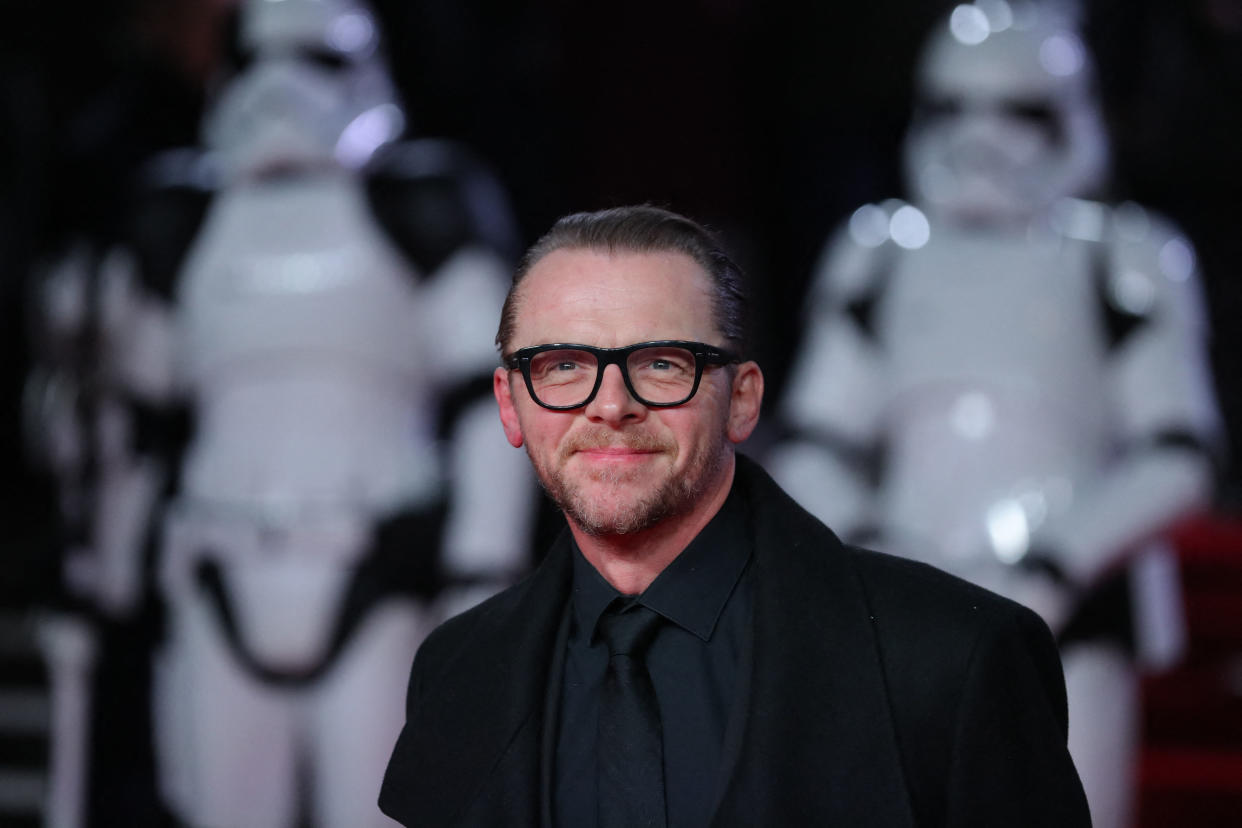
point(593, 440)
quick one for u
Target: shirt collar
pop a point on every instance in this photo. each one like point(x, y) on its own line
point(692, 590)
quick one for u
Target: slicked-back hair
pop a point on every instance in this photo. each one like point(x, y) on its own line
point(642, 229)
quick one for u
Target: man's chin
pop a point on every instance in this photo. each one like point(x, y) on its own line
point(613, 494)
point(613, 519)
point(614, 505)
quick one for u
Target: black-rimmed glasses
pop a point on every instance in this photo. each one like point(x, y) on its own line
point(658, 374)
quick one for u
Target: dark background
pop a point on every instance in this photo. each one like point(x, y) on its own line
point(769, 121)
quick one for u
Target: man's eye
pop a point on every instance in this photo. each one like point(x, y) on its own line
point(561, 367)
point(662, 363)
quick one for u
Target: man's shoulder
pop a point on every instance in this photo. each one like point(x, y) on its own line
point(928, 607)
point(513, 617)
point(480, 621)
point(893, 579)
point(900, 589)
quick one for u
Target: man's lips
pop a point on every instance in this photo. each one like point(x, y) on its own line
point(605, 449)
point(617, 453)
point(633, 451)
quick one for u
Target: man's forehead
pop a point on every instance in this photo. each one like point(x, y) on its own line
point(619, 265)
point(602, 291)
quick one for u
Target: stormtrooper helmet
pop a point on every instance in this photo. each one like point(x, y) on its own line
point(312, 89)
point(1007, 121)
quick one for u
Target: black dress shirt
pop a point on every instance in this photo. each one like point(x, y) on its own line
point(695, 662)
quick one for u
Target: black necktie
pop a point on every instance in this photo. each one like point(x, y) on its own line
point(630, 745)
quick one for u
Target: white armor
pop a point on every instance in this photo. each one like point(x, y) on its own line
point(1007, 380)
point(317, 351)
point(315, 91)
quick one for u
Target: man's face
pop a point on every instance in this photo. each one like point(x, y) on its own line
point(615, 466)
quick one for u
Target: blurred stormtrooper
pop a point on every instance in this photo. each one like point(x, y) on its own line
point(324, 298)
point(1009, 381)
point(105, 442)
point(58, 402)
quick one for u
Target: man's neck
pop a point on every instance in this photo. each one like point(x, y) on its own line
point(632, 561)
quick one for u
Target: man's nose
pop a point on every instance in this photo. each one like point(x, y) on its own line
point(613, 403)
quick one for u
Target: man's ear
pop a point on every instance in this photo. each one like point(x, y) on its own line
point(745, 402)
point(508, 414)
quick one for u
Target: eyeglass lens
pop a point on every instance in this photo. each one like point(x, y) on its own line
point(660, 374)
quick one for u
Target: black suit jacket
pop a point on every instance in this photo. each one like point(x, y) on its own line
point(880, 692)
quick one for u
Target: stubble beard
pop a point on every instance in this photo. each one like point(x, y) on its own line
point(617, 511)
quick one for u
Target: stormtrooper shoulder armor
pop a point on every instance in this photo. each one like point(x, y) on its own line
point(856, 259)
point(435, 198)
point(1151, 272)
point(1156, 321)
point(855, 266)
point(168, 201)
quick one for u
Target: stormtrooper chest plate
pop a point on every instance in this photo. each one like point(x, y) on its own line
point(996, 376)
point(301, 329)
point(296, 268)
point(1011, 325)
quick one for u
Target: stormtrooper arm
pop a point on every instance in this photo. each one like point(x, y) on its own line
point(139, 278)
point(492, 499)
point(450, 217)
point(1164, 413)
point(139, 415)
point(492, 491)
point(139, 330)
point(1140, 496)
point(132, 414)
point(829, 458)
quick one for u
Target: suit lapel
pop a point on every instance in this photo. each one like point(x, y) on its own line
point(817, 745)
point(471, 753)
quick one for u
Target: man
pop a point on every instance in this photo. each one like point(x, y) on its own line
point(797, 681)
